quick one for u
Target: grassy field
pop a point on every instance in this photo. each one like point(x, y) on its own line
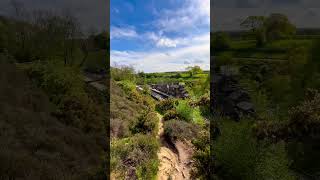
point(273, 50)
point(172, 77)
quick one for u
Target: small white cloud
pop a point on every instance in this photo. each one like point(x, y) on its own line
point(128, 32)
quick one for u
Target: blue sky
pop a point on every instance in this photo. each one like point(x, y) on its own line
point(160, 35)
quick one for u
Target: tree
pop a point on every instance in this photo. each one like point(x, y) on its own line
point(192, 70)
point(278, 26)
point(253, 23)
point(256, 24)
point(220, 41)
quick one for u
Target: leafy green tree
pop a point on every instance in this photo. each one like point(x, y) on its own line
point(278, 26)
point(192, 70)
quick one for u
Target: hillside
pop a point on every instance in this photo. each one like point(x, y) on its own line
point(122, 111)
point(34, 143)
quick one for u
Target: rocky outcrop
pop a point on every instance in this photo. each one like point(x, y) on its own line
point(229, 97)
point(175, 90)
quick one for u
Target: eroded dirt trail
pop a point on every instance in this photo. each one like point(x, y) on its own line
point(175, 159)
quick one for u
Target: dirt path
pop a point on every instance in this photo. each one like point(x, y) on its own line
point(174, 159)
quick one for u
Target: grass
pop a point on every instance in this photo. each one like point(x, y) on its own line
point(171, 77)
point(273, 50)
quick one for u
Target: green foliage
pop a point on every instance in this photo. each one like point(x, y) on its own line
point(220, 41)
point(241, 156)
point(194, 70)
point(127, 86)
point(203, 159)
point(147, 123)
point(304, 119)
point(126, 73)
point(171, 114)
point(185, 111)
point(165, 105)
point(65, 87)
point(278, 26)
point(180, 130)
point(138, 152)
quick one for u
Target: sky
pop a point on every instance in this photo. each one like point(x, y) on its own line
point(93, 15)
point(227, 14)
point(160, 36)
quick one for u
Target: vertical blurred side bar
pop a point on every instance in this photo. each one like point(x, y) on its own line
point(108, 171)
point(212, 124)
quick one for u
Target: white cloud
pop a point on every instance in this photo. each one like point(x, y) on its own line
point(193, 14)
point(127, 32)
point(197, 52)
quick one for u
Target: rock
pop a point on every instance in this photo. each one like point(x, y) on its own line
point(230, 97)
point(245, 106)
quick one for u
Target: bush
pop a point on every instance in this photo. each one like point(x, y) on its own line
point(123, 73)
point(303, 121)
point(175, 129)
point(171, 114)
point(203, 160)
point(146, 123)
point(165, 105)
point(185, 111)
point(240, 156)
point(127, 86)
point(138, 154)
point(66, 89)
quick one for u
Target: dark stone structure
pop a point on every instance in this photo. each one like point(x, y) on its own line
point(228, 96)
point(175, 89)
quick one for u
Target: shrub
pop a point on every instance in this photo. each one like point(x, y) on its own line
point(175, 129)
point(146, 123)
point(123, 73)
point(127, 86)
point(171, 114)
point(66, 89)
point(240, 156)
point(138, 153)
point(185, 111)
point(204, 100)
point(165, 105)
point(303, 121)
point(203, 166)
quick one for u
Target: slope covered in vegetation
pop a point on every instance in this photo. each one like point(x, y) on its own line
point(35, 144)
point(279, 69)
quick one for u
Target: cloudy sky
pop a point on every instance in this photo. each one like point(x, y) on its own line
point(160, 36)
point(92, 14)
point(227, 14)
